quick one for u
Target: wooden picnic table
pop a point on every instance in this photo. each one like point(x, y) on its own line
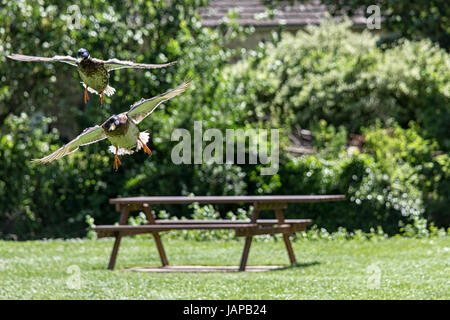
point(246, 228)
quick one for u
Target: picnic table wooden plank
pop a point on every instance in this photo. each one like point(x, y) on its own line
point(123, 230)
point(227, 199)
point(284, 229)
point(259, 221)
point(163, 227)
point(242, 229)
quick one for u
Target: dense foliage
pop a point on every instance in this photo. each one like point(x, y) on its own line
point(326, 79)
point(337, 82)
point(413, 19)
point(39, 200)
point(342, 77)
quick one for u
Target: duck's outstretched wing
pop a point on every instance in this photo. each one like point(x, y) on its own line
point(142, 109)
point(88, 136)
point(66, 59)
point(115, 64)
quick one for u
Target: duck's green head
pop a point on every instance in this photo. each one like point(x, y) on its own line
point(83, 53)
point(111, 124)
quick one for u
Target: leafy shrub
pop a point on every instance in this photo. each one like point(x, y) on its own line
point(412, 19)
point(328, 140)
point(329, 72)
point(53, 200)
point(400, 177)
point(47, 201)
point(423, 164)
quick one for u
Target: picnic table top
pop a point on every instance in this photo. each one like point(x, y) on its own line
point(227, 199)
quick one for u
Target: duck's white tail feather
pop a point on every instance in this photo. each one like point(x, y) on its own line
point(121, 151)
point(109, 91)
point(89, 88)
point(144, 136)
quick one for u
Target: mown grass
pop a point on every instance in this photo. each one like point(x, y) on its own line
point(339, 269)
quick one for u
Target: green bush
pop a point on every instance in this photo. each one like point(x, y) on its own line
point(334, 81)
point(425, 165)
point(332, 73)
point(47, 201)
point(400, 177)
point(53, 200)
point(372, 197)
point(414, 19)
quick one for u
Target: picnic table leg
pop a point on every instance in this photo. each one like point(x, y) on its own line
point(248, 241)
point(159, 245)
point(123, 220)
point(280, 216)
point(112, 260)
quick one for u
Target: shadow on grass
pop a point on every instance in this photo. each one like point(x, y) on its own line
point(209, 269)
point(298, 265)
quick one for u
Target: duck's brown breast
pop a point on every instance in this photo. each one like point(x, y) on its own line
point(94, 74)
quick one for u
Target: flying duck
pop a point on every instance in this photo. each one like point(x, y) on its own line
point(121, 130)
point(93, 72)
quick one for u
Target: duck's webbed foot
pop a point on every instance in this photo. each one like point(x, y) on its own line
point(144, 147)
point(116, 160)
point(86, 95)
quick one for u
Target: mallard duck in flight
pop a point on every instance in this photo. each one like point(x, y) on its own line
point(121, 130)
point(93, 72)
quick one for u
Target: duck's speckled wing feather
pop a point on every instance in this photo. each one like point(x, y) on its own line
point(115, 64)
point(88, 136)
point(142, 109)
point(66, 59)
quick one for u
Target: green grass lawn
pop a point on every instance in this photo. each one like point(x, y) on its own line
point(340, 269)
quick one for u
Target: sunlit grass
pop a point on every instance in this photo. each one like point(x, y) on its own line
point(347, 269)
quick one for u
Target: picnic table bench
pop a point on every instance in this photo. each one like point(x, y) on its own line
point(243, 228)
